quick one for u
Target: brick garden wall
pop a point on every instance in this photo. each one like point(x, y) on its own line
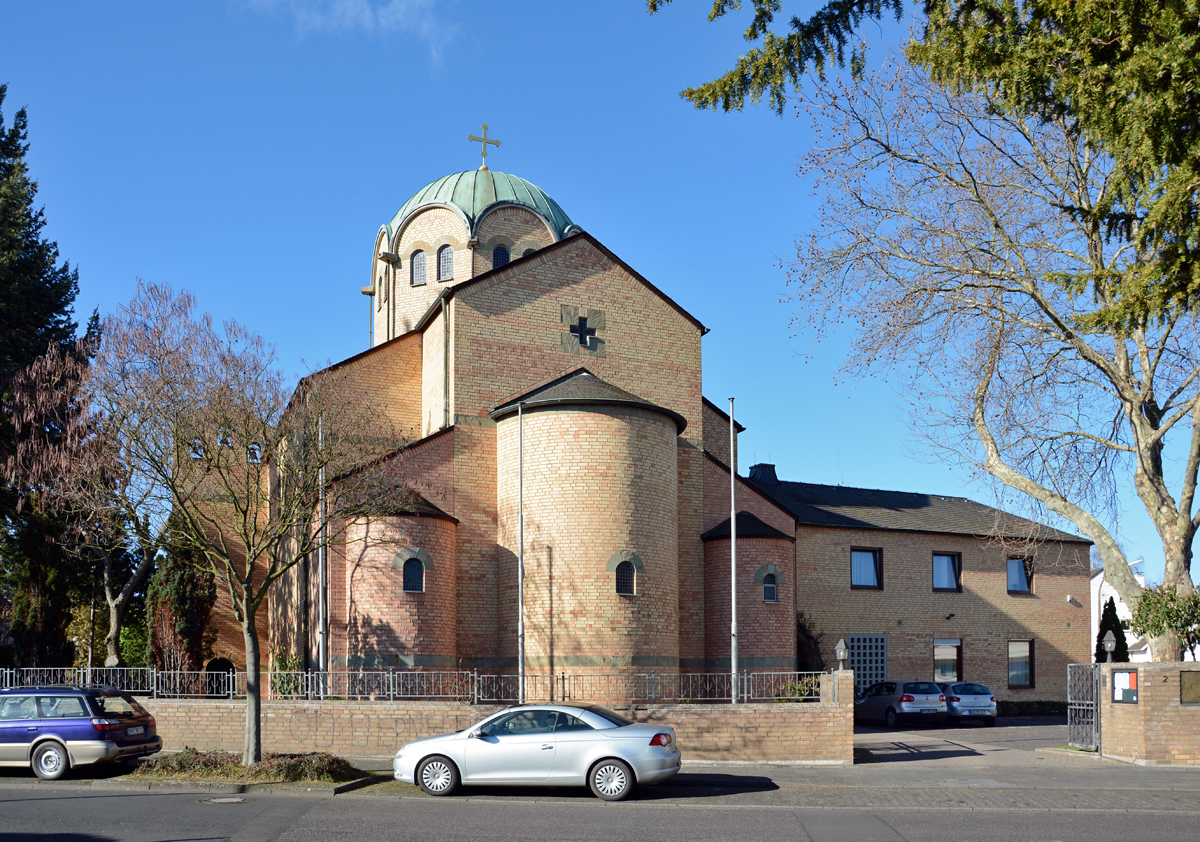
point(772, 733)
point(1158, 730)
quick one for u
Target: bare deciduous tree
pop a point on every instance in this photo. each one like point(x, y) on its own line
point(952, 236)
point(183, 423)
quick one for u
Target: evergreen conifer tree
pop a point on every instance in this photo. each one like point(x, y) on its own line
point(36, 297)
point(1109, 621)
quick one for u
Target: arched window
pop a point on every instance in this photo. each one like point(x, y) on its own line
point(416, 266)
point(499, 257)
point(414, 576)
point(527, 252)
point(625, 579)
point(445, 263)
point(770, 591)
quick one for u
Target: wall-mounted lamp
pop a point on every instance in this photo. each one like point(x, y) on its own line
point(840, 651)
point(949, 616)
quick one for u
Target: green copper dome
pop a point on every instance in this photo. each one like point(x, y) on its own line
point(475, 191)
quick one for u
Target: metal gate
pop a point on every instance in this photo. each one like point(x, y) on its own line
point(1083, 714)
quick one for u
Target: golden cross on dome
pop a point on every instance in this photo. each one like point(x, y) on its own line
point(485, 140)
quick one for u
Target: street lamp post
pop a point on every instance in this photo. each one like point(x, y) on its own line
point(840, 651)
point(1110, 644)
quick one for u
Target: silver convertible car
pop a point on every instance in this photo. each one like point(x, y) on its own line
point(546, 745)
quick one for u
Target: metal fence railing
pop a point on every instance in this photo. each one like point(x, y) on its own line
point(463, 686)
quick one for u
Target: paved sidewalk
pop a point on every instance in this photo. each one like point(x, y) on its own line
point(1018, 765)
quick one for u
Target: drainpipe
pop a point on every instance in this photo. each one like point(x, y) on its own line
point(445, 364)
point(521, 551)
point(322, 571)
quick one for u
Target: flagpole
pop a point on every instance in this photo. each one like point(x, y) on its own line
point(733, 652)
point(521, 551)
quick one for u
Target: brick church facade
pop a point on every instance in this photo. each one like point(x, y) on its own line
point(509, 343)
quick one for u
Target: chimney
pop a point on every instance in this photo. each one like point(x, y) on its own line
point(764, 473)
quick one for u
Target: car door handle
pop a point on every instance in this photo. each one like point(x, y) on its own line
point(547, 747)
point(32, 728)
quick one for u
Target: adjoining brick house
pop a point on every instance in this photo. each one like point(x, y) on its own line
point(509, 343)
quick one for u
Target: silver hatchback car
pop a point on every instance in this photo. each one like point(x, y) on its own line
point(968, 700)
point(544, 745)
point(900, 701)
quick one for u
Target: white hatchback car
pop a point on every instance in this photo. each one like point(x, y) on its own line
point(544, 745)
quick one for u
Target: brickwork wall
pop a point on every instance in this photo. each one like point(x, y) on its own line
point(986, 616)
point(716, 500)
point(716, 435)
point(391, 378)
point(766, 631)
point(429, 467)
point(1158, 730)
point(515, 228)
point(479, 594)
point(427, 231)
point(433, 389)
point(598, 481)
point(508, 334)
point(385, 625)
point(780, 733)
point(691, 556)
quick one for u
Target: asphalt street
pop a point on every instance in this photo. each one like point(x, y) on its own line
point(1012, 782)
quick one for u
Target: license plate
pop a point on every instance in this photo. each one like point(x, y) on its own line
point(929, 710)
point(135, 731)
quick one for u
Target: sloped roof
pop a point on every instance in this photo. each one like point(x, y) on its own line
point(868, 508)
point(748, 526)
point(582, 387)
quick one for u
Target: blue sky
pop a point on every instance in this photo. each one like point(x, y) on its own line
point(248, 150)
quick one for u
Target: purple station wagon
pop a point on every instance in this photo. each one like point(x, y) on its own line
point(55, 728)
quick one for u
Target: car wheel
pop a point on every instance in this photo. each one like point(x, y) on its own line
point(890, 719)
point(611, 780)
point(990, 722)
point(50, 761)
point(437, 775)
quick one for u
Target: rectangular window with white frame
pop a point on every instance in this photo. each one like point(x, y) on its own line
point(866, 568)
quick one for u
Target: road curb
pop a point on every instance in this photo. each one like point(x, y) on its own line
point(193, 785)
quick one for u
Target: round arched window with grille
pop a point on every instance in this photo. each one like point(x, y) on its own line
point(770, 590)
point(625, 579)
point(499, 257)
point(414, 576)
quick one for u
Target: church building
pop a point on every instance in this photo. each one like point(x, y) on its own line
point(513, 348)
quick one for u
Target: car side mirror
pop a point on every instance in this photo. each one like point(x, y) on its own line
point(477, 733)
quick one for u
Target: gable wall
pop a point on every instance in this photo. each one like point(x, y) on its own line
point(392, 377)
point(716, 435)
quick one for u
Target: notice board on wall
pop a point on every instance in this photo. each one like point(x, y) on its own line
point(1125, 687)
point(1189, 687)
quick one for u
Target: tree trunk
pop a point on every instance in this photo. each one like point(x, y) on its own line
point(252, 752)
point(112, 640)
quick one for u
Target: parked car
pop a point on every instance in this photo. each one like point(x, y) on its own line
point(544, 745)
point(55, 728)
point(894, 702)
point(967, 700)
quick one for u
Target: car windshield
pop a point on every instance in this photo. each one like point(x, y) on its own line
point(971, 690)
point(614, 718)
point(121, 707)
point(921, 687)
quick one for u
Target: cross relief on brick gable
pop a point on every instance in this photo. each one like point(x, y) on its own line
point(582, 329)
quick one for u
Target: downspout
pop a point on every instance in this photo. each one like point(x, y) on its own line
point(445, 364)
point(322, 570)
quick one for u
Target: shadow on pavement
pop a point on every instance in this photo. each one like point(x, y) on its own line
point(683, 785)
point(899, 752)
point(53, 837)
